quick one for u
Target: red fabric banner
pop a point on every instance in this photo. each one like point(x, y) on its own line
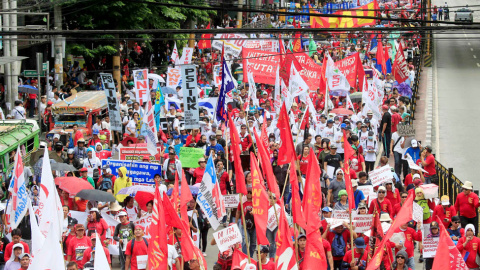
point(447, 256)
point(310, 71)
point(205, 42)
point(235, 139)
point(285, 257)
point(158, 248)
point(267, 166)
point(348, 183)
point(286, 152)
point(352, 68)
point(312, 196)
point(263, 65)
point(400, 66)
point(260, 203)
point(314, 252)
point(297, 212)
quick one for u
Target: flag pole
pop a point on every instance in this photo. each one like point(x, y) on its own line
point(286, 179)
point(244, 229)
point(295, 234)
point(351, 238)
point(259, 256)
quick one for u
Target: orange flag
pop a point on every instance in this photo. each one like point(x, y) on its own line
point(158, 248)
point(260, 203)
point(312, 197)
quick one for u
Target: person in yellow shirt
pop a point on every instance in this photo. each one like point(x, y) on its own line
point(122, 181)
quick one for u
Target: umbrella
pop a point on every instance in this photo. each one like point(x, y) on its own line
point(193, 190)
point(342, 111)
point(128, 139)
point(134, 189)
point(63, 167)
point(169, 90)
point(72, 185)
point(142, 198)
point(95, 195)
point(357, 96)
point(27, 89)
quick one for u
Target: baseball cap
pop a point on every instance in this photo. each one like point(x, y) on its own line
point(385, 107)
point(79, 227)
point(73, 222)
point(414, 143)
point(94, 210)
point(212, 138)
point(362, 205)
point(369, 113)
point(56, 136)
point(354, 183)
point(93, 236)
point(83, 170)
point(301, 235)
point(327, 209)
point(360, 242)
point(445, 200)
point(122, 213)
point(95, 132)
point(381, 188)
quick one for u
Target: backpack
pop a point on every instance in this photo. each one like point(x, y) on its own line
point(106, 183)
point(133, 244)
point(338, 246)
point(426, 209)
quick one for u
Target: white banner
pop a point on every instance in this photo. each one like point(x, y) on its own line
point(233, 43)
point(140, 78)
point(430, 191)
point(190, 96)
point(112, 101)
point(297, 85)
point(173, 77)
point(341, 214)
point(269, 45)
point(430, 246)
point(335, 222)
point(151, 128)
point(335, 78)
point(272, 223)
point(363, 223)
point(186, 56)
point(175, 57)
point(227, 237)
point(380, 175)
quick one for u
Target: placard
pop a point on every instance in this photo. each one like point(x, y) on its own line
point(367, 192)
point(227, 237)
point(380, 175)
point(341, 214)
point(190, 96)
point(272, 223)
point(189, 156)
point(231, 200)
point(141, 85)
point(113, 105)
point(363, 223)
point(335, 222)
point(430, 191)
point(173, 77)
point(430, 246)
point(406, 130)
point(138, 153)
point(417, 214)
point(140, 172)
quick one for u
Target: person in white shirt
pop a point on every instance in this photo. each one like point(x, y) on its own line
point(131, 127)
point(137, 108)
point(19, 112)
point(329, 131)
point(397, 147)
point(240, 120)
point(176, 122)
point(43, 105)
point(370, 148)
point(173, 257)
point(91, 162)
point(98, 125)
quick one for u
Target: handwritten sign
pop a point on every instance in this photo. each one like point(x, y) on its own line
point(406, 130)
point(380, 175)
point(363, 223)
point(430, 246)
point(231, 200)
point(341, 214)
point(227, 237)
point(272, 223)
point(189, 156)
point(417, 214)
point(335, 222)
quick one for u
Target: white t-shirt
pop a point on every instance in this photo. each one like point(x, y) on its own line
point(172, 255)
point(329, 133)
point(19, 112)
point(132, 124)
point(368, 146)
point(91, 164)
point(132, 213)
point(398, 148)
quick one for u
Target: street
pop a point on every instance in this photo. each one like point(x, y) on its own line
point(456, 71)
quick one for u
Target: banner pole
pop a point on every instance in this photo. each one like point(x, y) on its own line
point(245, 228)
point(351, 238)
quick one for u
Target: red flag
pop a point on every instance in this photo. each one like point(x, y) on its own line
point(305, 120)
point(286, 152)
point(400, 67)
point(281, 48)
point(259, 201)
point(297, 212)
point(376, 235)
point(205, 42)
point(314, 252)
point(349, 152)
point(175, 192)
point(360, 72)
point(265, 141)
point(404, 216)
point(240, 259)
point(294, 23)
point(447, 256)
point(297, 43)
point(158, 248)
point(380, 56)
point(285, 257)
point(185, 198)
point(267, 166)
point(237, 162)
point(312, 197)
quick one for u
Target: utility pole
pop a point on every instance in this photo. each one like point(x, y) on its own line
point(191, 41)
point(6, 52)
point(240, 14)
point(58, 47)
point(15, 67)
point(39, 72)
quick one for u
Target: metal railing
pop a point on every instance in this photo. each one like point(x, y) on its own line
point(448, 183)
point(417, 62)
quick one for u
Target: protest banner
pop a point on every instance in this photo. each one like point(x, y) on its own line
point(209, 197)
point(142, 93)
point(113, 105)
point(335, 222)
point(190, 96)
point(341, 214)
point(272, 223)
point(231, 200)
point(217, 76)
point(189, 156)
point(310, 72)
point(350, 66)
point(363, 223)
point(406, 130)
point(417, 213)
point(232, 43)
point(227, 237)
point(263, 65)
point(195, 235)
point(430, 246)
point(173, 77)
point(380, 175)
point(140, 172)
point(269, 45)
point(186, 56)
point(138, 153)
point(367, 191)
point(167, 122)
point(145, 221)
point(430, 191)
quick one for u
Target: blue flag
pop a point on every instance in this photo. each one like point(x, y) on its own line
point(159, 102)
point(227, 86)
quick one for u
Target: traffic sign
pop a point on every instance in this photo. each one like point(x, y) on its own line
point(44, 66)
point(33, 73)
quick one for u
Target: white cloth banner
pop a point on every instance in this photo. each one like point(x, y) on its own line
point(297, 85)
point(335, 78)
point(233, 43)
point(173, 77)
point(186, 56)
point(140, 78)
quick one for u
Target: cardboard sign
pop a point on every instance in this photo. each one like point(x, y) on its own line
point(231, 200)
point(190, 96)
point(417, 214)
point(227, 237)
point(189, 156)
point(363, 223)
point(380, 175)
point(113, 106)
point(430, 246)
point(406, 130)
point(173, 77)
point(186, 56)
point(335, 222)
point(341, 214)
point(140, 172)
point(272, 223)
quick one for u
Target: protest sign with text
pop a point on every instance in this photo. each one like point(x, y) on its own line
point(227, 237)
point(430, 245)
point(113, 105)
point(190, 96)
point(189, 156)
point(263, 65)
point(140, 172)
point(380, 175)
point(231, 200)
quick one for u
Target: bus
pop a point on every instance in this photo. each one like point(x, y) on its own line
point(14, 133)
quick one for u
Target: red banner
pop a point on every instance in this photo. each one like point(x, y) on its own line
point(400, 67)
point(309, 70)
point(264, 65)
point(351, 67)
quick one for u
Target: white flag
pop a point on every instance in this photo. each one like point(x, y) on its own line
point(50, 255)
point(252, 91)
point(101, 262)
point(19, 192)
point(297, 85)
point(151, 127)
point(175, 57)
point(186, 55)
point(37, 237)
point(277, 97)
point(335, 78)
point(50, 209)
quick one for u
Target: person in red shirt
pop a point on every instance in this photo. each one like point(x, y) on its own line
point(77, 245)
point(303, 159)
point(247, 221)
point(245, 139)
point(393, 195)
point(194, 137)
point(410, 235)
point(466, 205)
point(97, 224)
point(77, 134)
point(381, 204)
point(16, 238)
point(198, 172)
point(138, 254)
point(266, 263)
point(223, 176)
point(359, 255)
point(396, 118)
point(469, 243)
point(428, 162)
point(25, 260)
point(89, 253)
point(444, 211)
point(398, 206)
point(331, 235)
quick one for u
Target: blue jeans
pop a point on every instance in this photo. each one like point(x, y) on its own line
point(252, 239)
point(273, 245)
point(411, 263)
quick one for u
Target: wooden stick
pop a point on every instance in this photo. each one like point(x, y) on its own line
point(351, 238)
point(286, 180)
point(259, 257)
point(245, 228)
